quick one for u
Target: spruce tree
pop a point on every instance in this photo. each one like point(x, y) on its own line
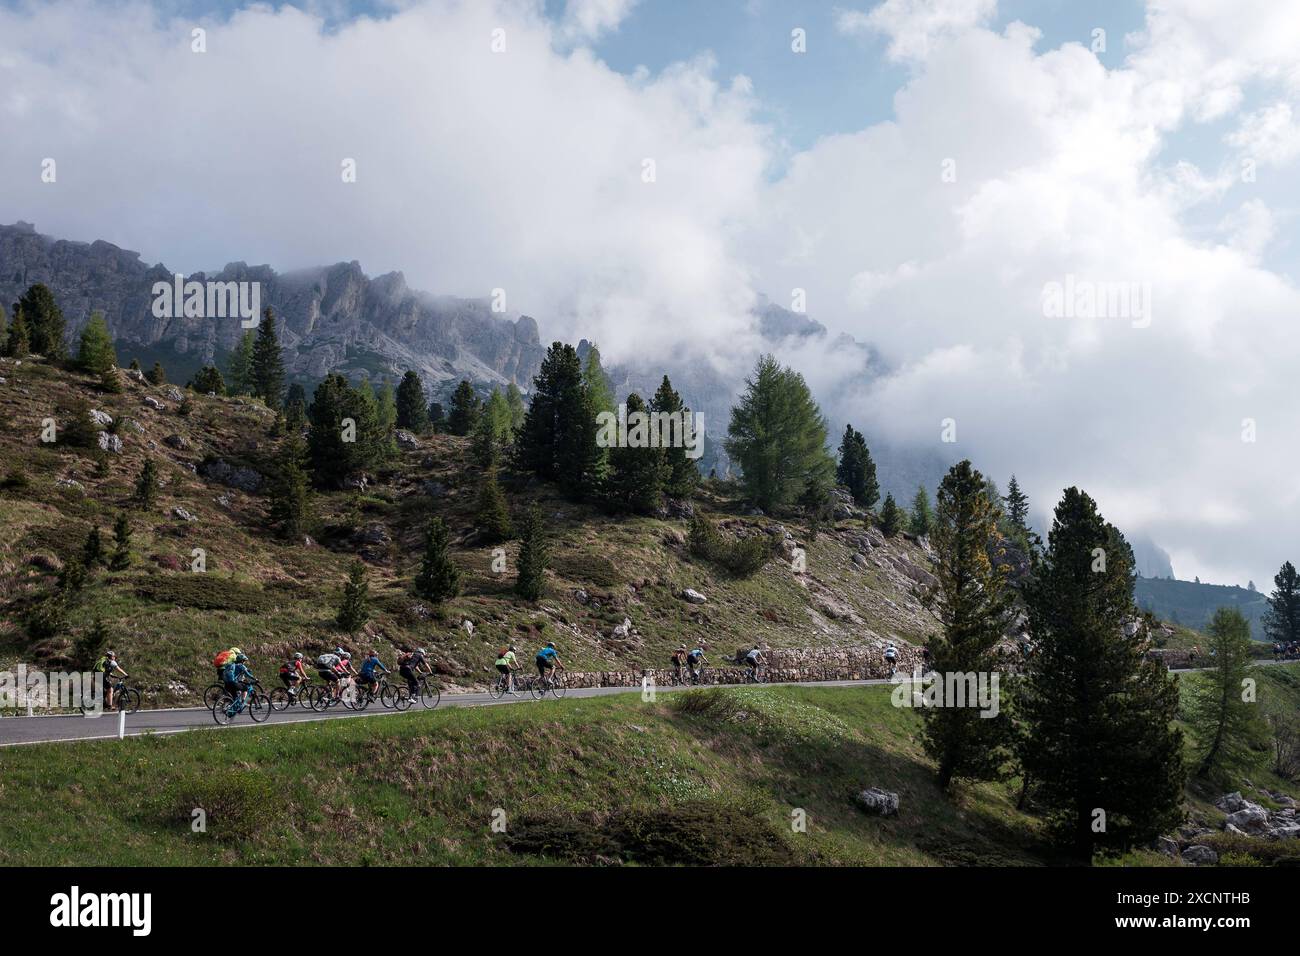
point(268, 363)
point(44, 321)
point(891, 517)
point(856, 471)
point(92, 552)
point(146, 488)
point(492, 517)
point(683, 475)
point(290, 496)
point(1100, 711)
point(412, 412)
point(636, 476)
point(18, 344)
point(922, 517)
point(465, 409)
point(354, 609)
point(1017, 505)
point(973, 604)
point(492, 432)
point(156, 375)
point(345, 437)
point(515, 402)
point(95, 356)
point(437, 418)
point(533, 555)
point(239, 367)
point(438, 578)
point(777, 436)
point(558, 439)
point(1282, 619)
point(1226, 725)
point(208, 380)
point(121, 559)
point(597, 382)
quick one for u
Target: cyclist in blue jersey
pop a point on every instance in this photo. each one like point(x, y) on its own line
point(371, 668)
point(547, 660)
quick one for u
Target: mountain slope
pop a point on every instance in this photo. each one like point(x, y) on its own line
point(1192, 604)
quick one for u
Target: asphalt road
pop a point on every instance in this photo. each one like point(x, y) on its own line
point(17, 731)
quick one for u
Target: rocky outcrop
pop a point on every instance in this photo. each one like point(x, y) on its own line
point(877, 802)
point(234, 476)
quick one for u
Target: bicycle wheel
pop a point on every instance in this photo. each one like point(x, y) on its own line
point(388, 696)
point(497, 688)
point(539, 687)
point(258, 707)
point(429, 694)
point(558, 687)
point(128, 700)
point(213, 694)
point(402, 699)
point(221, 710)
point(279, 698)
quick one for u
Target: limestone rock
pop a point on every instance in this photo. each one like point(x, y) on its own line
point(882, 803)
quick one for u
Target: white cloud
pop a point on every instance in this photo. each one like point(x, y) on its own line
point(915, 26)
point(588, 19)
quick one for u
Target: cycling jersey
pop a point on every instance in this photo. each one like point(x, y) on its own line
point(752, 656)
point(508, 658)
point(695, 655)
point(547, 654)
point(371, 665)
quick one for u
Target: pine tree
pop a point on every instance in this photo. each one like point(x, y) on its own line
point(922, 517)
point(1228, 730)
point(492, 517)
point(208, 380)
point(45, 322)
point(156, 375)
point(558, 439)
point(778, 436)
point(891, 517)
point(973, 606)
point(239, 367)
point(146, 488)
point(268, 363)
point(465, 409)
point(412, 413)
point(515, 401)
point(19, 342)
point(856, 471)
point(1100, 711)
point(121, 559)
point(597, 382)
point(354, 609)
point(438, 578)
point(492, 431)
point(1282, 619)
point(290, 496)
point(683, 475)
point(636, 475)
point(95, 355)
point(437, 418)
point(1017, 505)
point(92, 552)
point(533, 554)
point(345, 437)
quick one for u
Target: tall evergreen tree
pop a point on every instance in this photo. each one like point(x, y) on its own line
point(922, 518)
point(533, 555)
point(636, 476)
point(354, 609)
point(856, 471)
point(818, 503)
point(208, 380)
point(492, 516)
point(1100, 712)
point(18, 344)
point(268, 363)
point(597, 382)
point(1017, 505)
point(974, 606)
point(891, 517)
point(45, 322)
point(558, 439)
point(437, 418)
point(146, 487)
point(239, 368)
point(465, 409)
point(95, 354)
point(345, 437)
point(1282, 619)
point(412, 412)
point(290, 496)
point(515, 401)
point(438, 578)
point(777, 436)
point(683, 475)
point(492, 432)
point(121, 559)
point(92, 552)
point(1226, 725)
point(156, 375)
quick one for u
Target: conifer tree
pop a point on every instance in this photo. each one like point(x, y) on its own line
point(818, 504)
point(92, 552)
point(533, 556)
point(492, 517)
point(437, 418)
point(465, 409)
point(777, 436)
point(344, 436)
point(239, 368)
point(515, 402)
point(891, 517)
point(121, 559)
point(1017, 505)
point(973, 605)
point(412, 412)
point(1226, 724)
point(208, 380)
point(636, 475)
point(438, 578)
point(922, 517)
point(79, 429)
point(1100, 712)
point(1282, 619)
point(558, 439)
point(354, 609)
point(146, 488)
point(268, 363)
point(290, 495)
point(18, 344)
point(156, 375)
point(44, 321)
point(95, 355)
point(856, 471)
point(683, 475)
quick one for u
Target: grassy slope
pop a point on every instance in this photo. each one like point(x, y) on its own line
point(271, 598)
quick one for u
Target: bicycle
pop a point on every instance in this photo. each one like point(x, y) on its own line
point(125, 698)
point(257, 706)
point(430, 695)
point(282, 698)
point(554, 682)
point(216, 691)
point(502, 684)
point(395, 696)
point(755, 675)
point(322, 698)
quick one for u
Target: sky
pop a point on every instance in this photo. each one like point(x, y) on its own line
point(928, 176)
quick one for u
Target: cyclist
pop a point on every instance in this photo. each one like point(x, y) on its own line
point(325, 665)
point(547, 661)
point(347, 674)
point(507, 665)
point(223, 658)
point(696, 659)
point(110, 668)
point(368, 678)
point(411, 664)
point(238, 679)
point(679, 661)
point(752, 660)
point(891, 655)
point(293, 672)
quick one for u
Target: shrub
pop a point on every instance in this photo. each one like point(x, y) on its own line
point(205, 592)
point(743, 557)
point(237, 804)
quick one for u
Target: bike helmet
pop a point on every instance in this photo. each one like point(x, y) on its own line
point(421, 650)
point(240, 658)
point(345, 655)
point(340, 652)
point(298, 656)
point(235, 650)
point(551, 645)
point(111, 654)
